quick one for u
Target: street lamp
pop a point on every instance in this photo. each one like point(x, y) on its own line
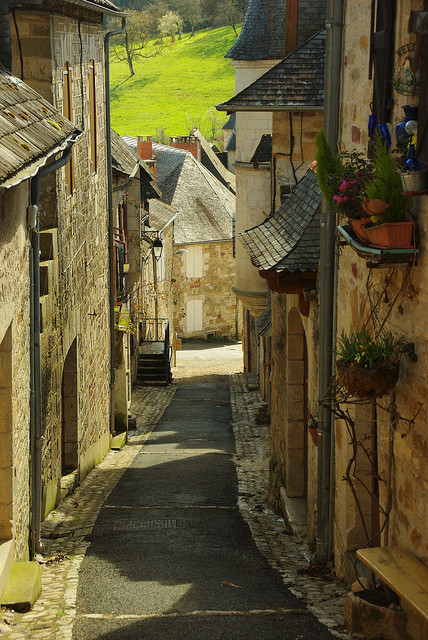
point(157, 248)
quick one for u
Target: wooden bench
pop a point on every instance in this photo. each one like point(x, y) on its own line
point(402, 572)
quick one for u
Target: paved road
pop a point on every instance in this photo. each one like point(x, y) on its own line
point(170, 555)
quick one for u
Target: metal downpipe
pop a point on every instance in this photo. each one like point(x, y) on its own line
point(328, 267)
point(107, 37)
point(35, 354)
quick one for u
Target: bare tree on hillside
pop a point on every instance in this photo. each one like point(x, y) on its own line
point(190, 11)
point(171, 24)
point(132, 44)
point(229, 12)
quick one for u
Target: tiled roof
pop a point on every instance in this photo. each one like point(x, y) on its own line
point(290, 238)
point(297, 82)
point(264, 322)
point(31, 130)
point(262, 35)
point(263, 152)
point(127, 160)
point(206, 207)
point(160, 214)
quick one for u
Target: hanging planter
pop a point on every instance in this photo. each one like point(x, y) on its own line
point(391, 235)
point(358, 226)
point(414, 181)
point(367, 383)
point(368, 366)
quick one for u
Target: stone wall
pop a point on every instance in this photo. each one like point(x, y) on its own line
point(293, 399)
point(213, 289)
point(75, 301)
point(304, 127)
point(15, 369)
point(396, 299)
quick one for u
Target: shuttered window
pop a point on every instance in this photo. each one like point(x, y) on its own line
point(93, 117)
point(194, 261)
point(194, 315)
point(67, 109)
point(422, 151)
point(382, 57)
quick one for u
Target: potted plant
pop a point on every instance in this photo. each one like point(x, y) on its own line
point(368, 366)
point(386, 204)
point(342, 179)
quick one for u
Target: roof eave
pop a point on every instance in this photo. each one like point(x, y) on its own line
point(87, 4)
point(288, 107)
point(30, 170)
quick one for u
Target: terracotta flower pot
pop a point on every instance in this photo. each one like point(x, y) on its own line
point(392, 235)
point(367, 383)
point(314, 435)
point(358, 225)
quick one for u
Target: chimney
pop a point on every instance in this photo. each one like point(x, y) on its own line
point(144, 147)
point(291, 23)
point(188, 143)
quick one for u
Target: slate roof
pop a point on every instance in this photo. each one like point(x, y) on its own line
point(231, 144)
point(264, 322)
point(230, 125)
point(212, 162)
point(100, 6)
point(297, 82)
point(206, 207)
point(160, 214)
point(127, 161)
point(263, 152)
point(31, 130)
point(262, 35)
point(290, 238)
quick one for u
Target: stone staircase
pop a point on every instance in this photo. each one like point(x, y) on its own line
point(152, 368)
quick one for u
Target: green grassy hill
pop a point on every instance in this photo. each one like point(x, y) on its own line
point(175, 90)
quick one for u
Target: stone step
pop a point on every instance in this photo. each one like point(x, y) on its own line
point(23, 586)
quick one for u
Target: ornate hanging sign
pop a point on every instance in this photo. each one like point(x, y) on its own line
point(405, 80)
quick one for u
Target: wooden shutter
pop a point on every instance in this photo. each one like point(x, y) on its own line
point(382, 57)
point(422, 150)
point(67, 109)
point(93, 116)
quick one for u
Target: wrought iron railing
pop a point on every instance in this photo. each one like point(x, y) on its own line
point(154, 329)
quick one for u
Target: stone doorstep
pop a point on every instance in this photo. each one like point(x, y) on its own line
point(294, 514)
point(69, 484)
point(119, 441)
point(6, 561)
point(23, 586)
point(252, 381)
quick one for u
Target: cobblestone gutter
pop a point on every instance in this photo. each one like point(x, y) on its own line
point(65, 528)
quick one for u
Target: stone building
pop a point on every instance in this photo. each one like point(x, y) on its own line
point(383, 502)
point(392, 297)
point(285, 250)
point(59, 48)
point(203, 269)
point(32, 133)
point(133, 186)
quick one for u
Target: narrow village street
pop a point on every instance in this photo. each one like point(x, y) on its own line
point(165, 537)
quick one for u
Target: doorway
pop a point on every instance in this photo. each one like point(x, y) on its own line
point(69, 447)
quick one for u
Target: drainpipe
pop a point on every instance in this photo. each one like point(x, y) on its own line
point(107, 37)
point(35, 356)
point(328, 268)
